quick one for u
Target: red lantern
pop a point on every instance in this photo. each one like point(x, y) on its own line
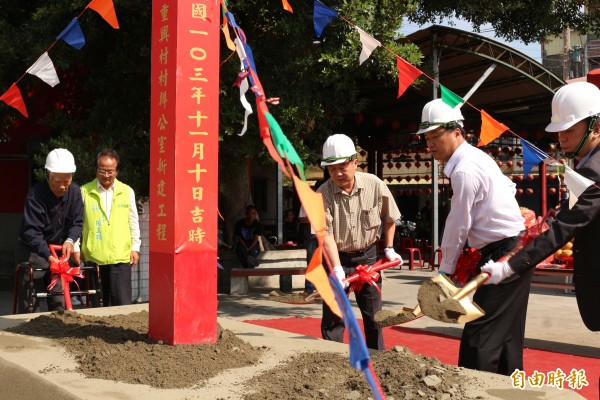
point(398, 164)
point(359, 118)
point(390, 165)
point(411, 127)
point(518, 150)
point(428, 191)
point(500, 163)
point(530, 177)
point(408, 165)
point(378, 121)
point(395, 124)
point(400, 193)
point(427, 150)
point(427, 164)
point(552, 176)
point(520, 163)
point(509, 164)
point(563, 189)
point(427, 177)
point(519, 191)
point(409, 193)
point(363, 153)
point(529, 191)
point(418, 192)
point(417, 178)
point(418, 164)
point(552, 190)
point(417, 138)
point(390, 179)
point(518, 178)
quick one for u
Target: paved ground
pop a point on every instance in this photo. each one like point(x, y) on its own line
point(553, 321)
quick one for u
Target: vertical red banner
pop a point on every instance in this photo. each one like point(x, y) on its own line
point(184, 170)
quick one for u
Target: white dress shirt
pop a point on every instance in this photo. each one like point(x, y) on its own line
point(483, 208)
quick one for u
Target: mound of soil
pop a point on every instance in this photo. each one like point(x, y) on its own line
point(118, 348)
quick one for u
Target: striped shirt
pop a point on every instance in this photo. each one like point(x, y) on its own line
point(355, 219)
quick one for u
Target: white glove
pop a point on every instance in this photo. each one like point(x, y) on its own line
point(340, 275)
point(498, 271)
point(391, 254)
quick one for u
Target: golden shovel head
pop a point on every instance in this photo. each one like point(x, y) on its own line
point(439, 299)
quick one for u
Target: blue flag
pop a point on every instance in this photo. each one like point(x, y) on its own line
point(531, 156)
point(72, 34)
point(359, 355)
point(322, 16)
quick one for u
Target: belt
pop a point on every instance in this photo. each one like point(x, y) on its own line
point(358, 252)
point(491, 247)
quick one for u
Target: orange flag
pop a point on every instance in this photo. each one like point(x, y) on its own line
point(106, 9)
point(312, 203)
point(490, 129)
point(13, 98)
point(407, 74)
point(286, 6)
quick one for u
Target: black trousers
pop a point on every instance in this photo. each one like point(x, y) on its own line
point(368, 301)
point(116, 284)
point(494, 342)
point(41, 280)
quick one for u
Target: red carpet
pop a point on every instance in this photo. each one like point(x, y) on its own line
point(445, 348)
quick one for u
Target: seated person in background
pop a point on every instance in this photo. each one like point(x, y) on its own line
point(290, 227)
point(248, 230)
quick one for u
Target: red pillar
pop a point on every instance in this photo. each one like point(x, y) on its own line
point(184, 170)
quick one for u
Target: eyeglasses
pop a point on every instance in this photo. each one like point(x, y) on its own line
point(106, 172)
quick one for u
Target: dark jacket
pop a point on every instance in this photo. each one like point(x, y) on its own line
point(582, 222)
point(51, 220)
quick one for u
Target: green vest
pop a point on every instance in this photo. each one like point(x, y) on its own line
point(106, 241)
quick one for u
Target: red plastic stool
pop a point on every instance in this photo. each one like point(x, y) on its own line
point(435, 258)
point(412, 262)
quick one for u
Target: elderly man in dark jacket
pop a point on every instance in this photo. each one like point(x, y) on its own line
point(576, 118)
point(53, 214)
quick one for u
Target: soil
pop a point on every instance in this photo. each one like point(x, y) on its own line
point(385, 318)
point(118, 348)
point(436, 302)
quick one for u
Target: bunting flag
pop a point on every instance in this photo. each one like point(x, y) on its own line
point(368, 45)
point(490, 129)
point(532, 156)
point(13, 98)
point(407, 74)
point(283, 145)
point(575, 182)
point(73, 35)
point(286, 6)
point(359, 354)
point(225, 29)
point(451, 98)
point(312, 203)
point(244, 86)
point(43, 68)
point(106, 9)
point(322, 16)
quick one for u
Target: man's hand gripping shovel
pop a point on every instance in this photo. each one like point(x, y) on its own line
point(362, 274)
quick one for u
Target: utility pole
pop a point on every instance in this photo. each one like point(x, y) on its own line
point(566, 49)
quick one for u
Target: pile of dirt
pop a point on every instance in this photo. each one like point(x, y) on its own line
point(118, 348)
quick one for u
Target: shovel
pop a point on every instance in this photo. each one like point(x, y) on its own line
point(441, 300)
point(385, 318)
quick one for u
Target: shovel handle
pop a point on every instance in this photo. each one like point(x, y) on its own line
point(471, 285)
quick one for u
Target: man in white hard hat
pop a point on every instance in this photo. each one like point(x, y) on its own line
point(576, 118)
point(484, 213)
point(53, 214)
point(359, 208)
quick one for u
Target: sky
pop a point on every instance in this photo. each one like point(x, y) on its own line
point(532, 50)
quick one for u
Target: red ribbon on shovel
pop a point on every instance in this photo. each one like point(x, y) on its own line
point(61, 270)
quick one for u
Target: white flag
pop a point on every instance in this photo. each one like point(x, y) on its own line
point(576, 184)
point(43, 68)
point(369, 44)
point(244, 86)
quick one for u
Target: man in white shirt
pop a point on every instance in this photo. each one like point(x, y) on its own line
point(111, 231)
point(485, 214)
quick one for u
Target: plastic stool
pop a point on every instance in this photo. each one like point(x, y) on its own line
point(435, 258)
point(412, 262)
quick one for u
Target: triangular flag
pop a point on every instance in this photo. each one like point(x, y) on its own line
point(322, 16)
point(532, 156)
point(13, 98)
point(43, 68)
point(359, 354)
point(225, 29)
point(286, 6)
point(283, 145)
point(368, 45)
point(73, 34)
point(407, 74)
point(312, 203)
point(106, 9)
point(450, 98)
point(490, 129)
point(575, 182)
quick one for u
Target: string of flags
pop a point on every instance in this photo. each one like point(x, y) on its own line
point(43, 67)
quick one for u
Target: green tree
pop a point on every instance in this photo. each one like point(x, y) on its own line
point(528, 20)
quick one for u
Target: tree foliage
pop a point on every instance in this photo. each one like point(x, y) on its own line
point(527, 20)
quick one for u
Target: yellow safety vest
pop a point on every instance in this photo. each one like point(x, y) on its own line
point(106, 241)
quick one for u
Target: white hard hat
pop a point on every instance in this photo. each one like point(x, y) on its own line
point(436, 113)
point(60, 161)
point(337, 149)
point(573, 103)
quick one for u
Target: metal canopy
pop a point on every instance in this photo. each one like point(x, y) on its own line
point(518, 92)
